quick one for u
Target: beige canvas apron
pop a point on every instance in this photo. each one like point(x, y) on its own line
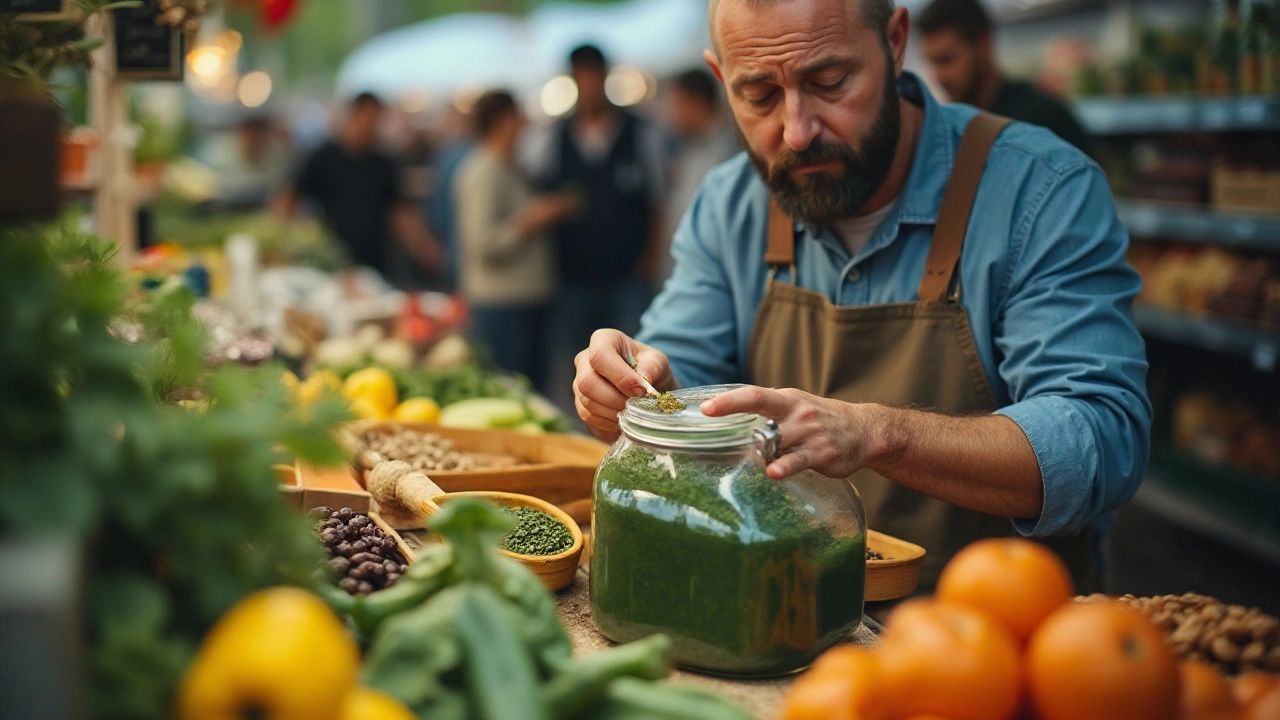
point(916, 353)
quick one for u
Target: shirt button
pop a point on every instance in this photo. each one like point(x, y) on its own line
point(854, 275)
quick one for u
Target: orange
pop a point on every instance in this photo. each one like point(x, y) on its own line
point(1251, 686)
point(1264, 707)
point(950, 660)
point(843, 684)
point(1205, 694)
point(1018, 582)
point(1101, 661)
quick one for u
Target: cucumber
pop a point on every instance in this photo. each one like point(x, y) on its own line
point(484, 414)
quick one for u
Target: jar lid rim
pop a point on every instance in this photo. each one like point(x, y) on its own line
point(643, 413)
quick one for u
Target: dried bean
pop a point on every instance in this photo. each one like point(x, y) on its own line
point(340, 565)
point(345, 514)
point(364, 557)
point(364, 588)
point(344, 549)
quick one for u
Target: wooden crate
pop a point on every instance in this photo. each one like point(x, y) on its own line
point(1249, 191)
point(553, 467)
point(307, 487)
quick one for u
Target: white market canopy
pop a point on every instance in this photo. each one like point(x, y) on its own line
point(483, 50)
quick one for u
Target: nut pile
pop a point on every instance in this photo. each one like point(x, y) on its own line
point(1235, 638)
point(364, 557)
point(873, 555)
point(421, 450)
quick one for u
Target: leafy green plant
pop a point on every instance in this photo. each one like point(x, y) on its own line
point(178, 509)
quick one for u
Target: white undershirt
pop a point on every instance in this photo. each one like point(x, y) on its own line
point(856, 232)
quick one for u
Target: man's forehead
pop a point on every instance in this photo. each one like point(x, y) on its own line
point(754, 28)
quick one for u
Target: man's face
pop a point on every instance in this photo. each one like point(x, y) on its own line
point(363, 123)
point(590, 81)
point(813, 91)
point(956, 63)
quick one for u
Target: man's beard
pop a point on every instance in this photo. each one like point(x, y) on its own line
point(819, 198)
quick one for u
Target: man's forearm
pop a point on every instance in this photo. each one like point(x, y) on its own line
point(983, 463)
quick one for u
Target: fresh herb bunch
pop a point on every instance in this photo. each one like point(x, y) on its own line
point(535, 533)
point(178, 510)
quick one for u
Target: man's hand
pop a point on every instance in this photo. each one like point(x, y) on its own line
point(828, 436)
point(981, 462)
point(605, 380)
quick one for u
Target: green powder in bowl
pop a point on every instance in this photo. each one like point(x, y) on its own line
point(536, 533)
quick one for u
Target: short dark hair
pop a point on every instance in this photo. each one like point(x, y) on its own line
point(698, 84)
point(491, 107)
point(587, 56)
point(365, 100)
point(967, 17)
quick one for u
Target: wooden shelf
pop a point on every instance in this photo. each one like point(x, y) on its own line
point(1233, 337)
point(1139, 115)
point(1172, 221)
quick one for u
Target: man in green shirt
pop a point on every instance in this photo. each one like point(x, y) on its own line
point(958, 43)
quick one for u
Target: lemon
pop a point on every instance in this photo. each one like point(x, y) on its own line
point(418, 409)
point(375, 385)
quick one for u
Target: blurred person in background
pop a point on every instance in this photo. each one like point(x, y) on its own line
point(507, 260)
point(693, 109)
point(614, 161)
point(357, 189)
point(453, 142)
point(958, 41)
point(248, 162)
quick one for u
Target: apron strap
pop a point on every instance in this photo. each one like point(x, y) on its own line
point(782, 238)
point(957, 203)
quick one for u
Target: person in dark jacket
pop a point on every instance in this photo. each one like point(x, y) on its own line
point(612, 160)
point(958, 41)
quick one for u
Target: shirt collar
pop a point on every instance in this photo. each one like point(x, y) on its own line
point(934, 158)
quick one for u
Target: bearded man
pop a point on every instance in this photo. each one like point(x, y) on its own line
point(926, 299)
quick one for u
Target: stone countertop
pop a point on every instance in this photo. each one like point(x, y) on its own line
point(762, 698)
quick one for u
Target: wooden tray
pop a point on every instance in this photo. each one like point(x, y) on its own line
point(306, 487)
point(898, 574)
point(553, 467)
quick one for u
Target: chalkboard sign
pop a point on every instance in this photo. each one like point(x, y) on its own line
point(37, 9)
point(145, 50)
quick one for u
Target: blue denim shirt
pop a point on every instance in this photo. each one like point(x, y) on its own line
point(1043, 278)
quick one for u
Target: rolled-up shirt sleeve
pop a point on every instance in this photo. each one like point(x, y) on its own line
point(692, 319)
point(1071, 356)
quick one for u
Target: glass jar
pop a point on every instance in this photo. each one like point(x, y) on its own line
point(748, 576)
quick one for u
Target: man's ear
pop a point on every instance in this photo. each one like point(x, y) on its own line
point(713, 63)
point(898, 31)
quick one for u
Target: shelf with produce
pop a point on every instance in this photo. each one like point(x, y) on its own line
point(1259, 344)
point(1138, 115)
point(1234, 508)
point(1174, 221)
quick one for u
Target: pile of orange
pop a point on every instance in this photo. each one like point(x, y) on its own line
point(1002, 640)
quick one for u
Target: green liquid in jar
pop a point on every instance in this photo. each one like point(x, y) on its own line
point(721, 560)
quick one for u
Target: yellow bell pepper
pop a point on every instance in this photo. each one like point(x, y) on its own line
point(319, 383)
point(280, 652)
point(372, 383)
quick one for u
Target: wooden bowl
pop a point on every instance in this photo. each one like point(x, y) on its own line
point(555, 571)
point(898, 575)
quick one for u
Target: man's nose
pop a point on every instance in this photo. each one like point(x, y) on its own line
point(800, 124)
